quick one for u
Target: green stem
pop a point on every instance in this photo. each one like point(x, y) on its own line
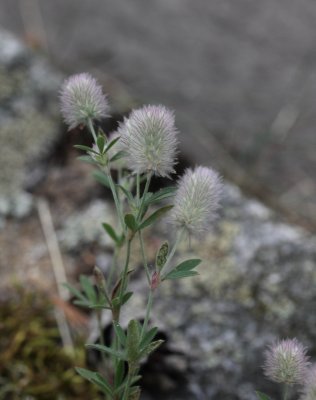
point(113, 268)
point(91, 128)
point(112, 185)
point(137, 188)
point(140, 211)
point(173, 250)
point(141, 240)
point(127, 385)
point(148, 311)
point(124, 274)
point(99, 314)
point(116, 200)
point(286, 392)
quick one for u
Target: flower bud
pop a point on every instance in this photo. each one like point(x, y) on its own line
point(286, 362)
point(196, 200)
point(149, 139)
point(82, 100)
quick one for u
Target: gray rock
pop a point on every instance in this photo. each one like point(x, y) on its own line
point(29, 121)
point(84, 228)
point(257, 284)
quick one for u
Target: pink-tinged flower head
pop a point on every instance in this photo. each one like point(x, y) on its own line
point(286, 362)
point(149, 139)
point(82, 99)
point(309, 389)
point(196, 200)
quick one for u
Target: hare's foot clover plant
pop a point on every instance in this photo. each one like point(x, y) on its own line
point(145, 145)
point(287, 363)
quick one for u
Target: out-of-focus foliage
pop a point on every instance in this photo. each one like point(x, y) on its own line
point(34, 365)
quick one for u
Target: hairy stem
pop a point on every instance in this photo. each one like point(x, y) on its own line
point(142, 247)
point(125, 271)
point(113, 268)
point(141, 207)
point(148, 311)
point(116, 200)
point(99, 315)
point(286, 392)
point(173, 250)
point(91, 128)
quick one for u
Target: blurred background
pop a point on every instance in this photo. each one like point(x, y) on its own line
point(240, 76)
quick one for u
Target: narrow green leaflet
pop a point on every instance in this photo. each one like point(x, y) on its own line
point(151, 347)
point(161, 195)
point(122, 386)
point(119, 333)
point(82, 303)
point(153, 217)
point(88, 289)
point(85, 148)
point(100, 306)
point(111, 232)
point(111, 144)
point(101, 178)
point(127, 193)
point(101, 143)
point(87, 159)
point(118, 155)
point(262, 396)
point(126, 297)
point(104, 349)
point(130, 222)
point(75, 292)
point(183, 270)
point(119, 374)
point(132, 341)
point(97, 379)
point(148, 337)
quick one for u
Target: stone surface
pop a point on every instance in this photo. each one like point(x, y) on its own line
point(29, 122)
point(256, 285)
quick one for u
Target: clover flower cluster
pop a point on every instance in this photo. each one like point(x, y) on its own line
point(286, 362)
point(82, 100)
point(196, 200)
point(149, 138)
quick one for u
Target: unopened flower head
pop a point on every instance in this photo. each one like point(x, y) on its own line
point(149, 138)
point(309, 390)
point(286, 362)
point(196, 200)
point(82, 99)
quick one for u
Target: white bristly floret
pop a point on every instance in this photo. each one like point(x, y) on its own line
point(149, 139)
point(196, 200)
point(286, 362)
point(82, 99)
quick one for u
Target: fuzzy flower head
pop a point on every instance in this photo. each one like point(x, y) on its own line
point(286, 362)
point(309, 390)
point(149, 139)
point(81, 100)
point(196, 200)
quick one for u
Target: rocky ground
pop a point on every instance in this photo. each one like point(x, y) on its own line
point(258, 282)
